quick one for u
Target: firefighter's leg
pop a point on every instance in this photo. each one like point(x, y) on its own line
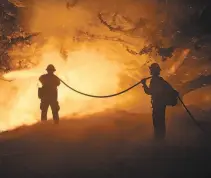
point(44, 110)
point(155, 122)
point(158, 115)
point(160, 122)
point(55, 111)
point(163, 124)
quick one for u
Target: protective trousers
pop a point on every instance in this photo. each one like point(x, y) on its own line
point(45, 103)
point(158, 115)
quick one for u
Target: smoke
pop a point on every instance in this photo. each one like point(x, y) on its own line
point(87, 55)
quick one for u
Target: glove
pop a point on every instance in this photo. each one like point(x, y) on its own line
point(143, 81)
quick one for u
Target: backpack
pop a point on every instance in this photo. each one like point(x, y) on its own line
point(40, 93)
point(170, 96)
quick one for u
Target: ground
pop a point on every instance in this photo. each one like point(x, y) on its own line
point(111, 145)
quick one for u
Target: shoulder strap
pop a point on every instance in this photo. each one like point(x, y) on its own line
point(168, 84)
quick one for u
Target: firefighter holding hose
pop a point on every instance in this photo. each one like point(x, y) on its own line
point(49, 94)
point(162, 95)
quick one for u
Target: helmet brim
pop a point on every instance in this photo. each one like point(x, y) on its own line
point(53, 70)
point(151, 68)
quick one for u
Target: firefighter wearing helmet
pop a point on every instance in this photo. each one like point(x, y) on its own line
point(158, 89)
point(48, 94)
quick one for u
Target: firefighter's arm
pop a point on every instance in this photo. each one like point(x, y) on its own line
point(58, 82)
point(41, 80)
point(146, 89)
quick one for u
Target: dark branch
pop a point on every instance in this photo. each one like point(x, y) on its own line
point(88, 36)
point(20, 39)
point(109, 26)
point(195, 84)
point(120, 28)
point(164, 53)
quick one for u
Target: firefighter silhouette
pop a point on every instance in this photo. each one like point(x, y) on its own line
point(49, 94)
point(162, 95)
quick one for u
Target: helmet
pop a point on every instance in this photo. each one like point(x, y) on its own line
point(154, 67)
point(51, 68)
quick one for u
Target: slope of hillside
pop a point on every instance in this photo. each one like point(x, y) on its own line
point(105, 145)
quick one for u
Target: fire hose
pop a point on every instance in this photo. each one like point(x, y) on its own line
point(102, 96)
point(193, 118)
point(6, 80)
point(126, 90)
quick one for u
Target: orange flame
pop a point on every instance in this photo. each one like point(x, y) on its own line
point(88, 71)
point(178, 63)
